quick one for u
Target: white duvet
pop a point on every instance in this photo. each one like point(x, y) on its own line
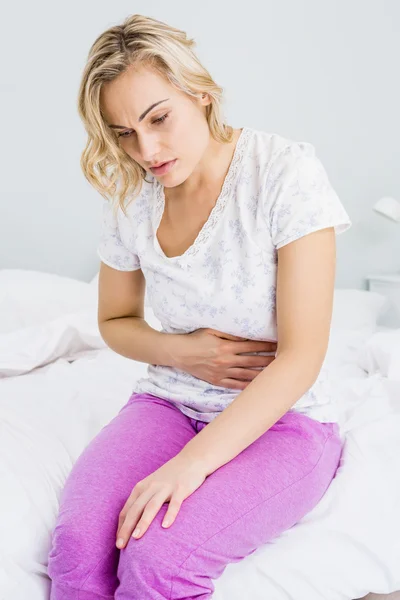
point(59, 385)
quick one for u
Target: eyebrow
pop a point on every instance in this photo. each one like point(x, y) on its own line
point(142, 116)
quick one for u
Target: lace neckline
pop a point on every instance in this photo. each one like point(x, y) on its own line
point(217, 209)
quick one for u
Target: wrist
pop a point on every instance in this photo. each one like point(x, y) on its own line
point(192, 455)
point(172, 345)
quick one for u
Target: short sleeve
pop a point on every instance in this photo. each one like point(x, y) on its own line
point(111, 250)
point(299, 198)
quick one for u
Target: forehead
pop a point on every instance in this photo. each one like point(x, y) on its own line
point(133, 92)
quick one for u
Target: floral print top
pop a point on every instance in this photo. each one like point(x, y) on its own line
point(275, 191)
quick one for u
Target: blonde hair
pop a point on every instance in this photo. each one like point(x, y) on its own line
point(145, 41)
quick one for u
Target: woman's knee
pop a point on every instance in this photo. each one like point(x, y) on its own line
point(150, 562)
point(78, 553)
point(167, 560)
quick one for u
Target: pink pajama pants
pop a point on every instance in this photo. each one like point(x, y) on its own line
point(241, 506)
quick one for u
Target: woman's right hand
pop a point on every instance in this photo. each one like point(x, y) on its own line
point(219, 358)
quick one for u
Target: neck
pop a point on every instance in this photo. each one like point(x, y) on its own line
point(209, 172)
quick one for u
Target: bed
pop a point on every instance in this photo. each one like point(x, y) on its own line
point(60, 384)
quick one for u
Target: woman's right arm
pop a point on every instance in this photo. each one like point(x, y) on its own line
point(210, 355)
point(121, 319)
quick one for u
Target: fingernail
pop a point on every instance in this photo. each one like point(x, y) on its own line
point(120, 543)
point(166, 523)
point(136, 532)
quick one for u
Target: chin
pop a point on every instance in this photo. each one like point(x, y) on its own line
point(169, 185)
point(172, 180)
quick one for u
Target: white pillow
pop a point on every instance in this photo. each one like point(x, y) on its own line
point(30, 298)
point(357, 310)
point(354, 319)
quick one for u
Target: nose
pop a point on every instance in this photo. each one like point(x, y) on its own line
point(148, 147)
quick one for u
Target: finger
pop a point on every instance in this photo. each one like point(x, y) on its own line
point(149, 513)
point(173, 509)
point(131, 518)
point(225, 336)
point(244, 374)
point(252, 346)
point(234, 384)
point(271, 346)
point(268, 346)
point(251, 362)
point(134, 495)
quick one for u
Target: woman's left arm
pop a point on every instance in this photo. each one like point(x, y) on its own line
point(304, 303)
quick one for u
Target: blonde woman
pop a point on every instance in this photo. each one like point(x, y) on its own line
point(232, 437)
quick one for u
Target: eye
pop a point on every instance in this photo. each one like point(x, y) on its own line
point(158, 121)
point(123, 134)
point(161, 119)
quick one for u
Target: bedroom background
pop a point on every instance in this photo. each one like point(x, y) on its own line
point(323, 72)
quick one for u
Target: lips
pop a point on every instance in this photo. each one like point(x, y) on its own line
point(163, 168)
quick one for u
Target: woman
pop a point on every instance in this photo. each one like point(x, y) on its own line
point(232, 437)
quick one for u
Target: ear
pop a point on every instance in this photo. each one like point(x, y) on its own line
point(205, 99)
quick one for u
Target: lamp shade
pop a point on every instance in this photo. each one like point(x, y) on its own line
point(388, 207)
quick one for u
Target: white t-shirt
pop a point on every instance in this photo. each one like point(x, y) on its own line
point(276, 191)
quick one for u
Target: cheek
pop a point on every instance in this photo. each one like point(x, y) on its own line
point(195, 145)
point(125, 145)
point(129, 147)
point(185, 141)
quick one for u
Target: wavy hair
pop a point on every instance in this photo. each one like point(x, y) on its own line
point(149, 42)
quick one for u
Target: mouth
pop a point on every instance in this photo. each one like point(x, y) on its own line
point(164, 168)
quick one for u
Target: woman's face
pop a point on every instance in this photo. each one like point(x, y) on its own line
point(175, 129)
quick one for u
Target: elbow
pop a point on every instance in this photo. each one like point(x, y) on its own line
point(304, 364)
point(104, 330)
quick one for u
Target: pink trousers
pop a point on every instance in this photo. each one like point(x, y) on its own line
point(243, 505)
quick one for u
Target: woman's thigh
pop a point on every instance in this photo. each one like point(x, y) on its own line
point(146, 433)
point(244, 504)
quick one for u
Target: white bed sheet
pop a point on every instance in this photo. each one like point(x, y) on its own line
point(346, 547)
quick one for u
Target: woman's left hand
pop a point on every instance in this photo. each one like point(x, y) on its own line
point(174, 481)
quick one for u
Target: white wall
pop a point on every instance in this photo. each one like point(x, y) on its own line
point(316, 70)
